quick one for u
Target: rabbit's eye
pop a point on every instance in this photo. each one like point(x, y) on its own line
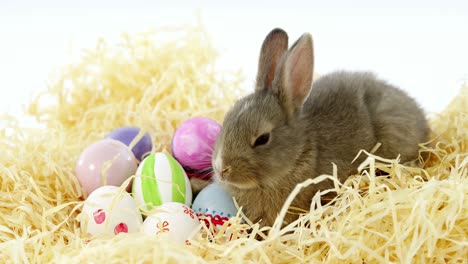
point(262, 139)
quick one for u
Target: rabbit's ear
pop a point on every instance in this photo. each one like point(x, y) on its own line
point(273, 48)
point(293, 79)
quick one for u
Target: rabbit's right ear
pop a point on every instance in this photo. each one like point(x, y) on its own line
point(273, 48)
point(293, 79)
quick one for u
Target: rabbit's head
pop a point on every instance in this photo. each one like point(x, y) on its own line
point(262, 135)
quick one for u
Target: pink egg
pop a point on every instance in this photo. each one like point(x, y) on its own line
point(193, 143)
point(122, 164)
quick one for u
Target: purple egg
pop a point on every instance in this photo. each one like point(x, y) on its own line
point(193, 143)
point(126, 135)
point(122, 164)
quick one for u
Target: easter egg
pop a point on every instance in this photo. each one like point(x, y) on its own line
point(160, 179)
point(127, 134)
point(175, 220)
point(108, 211)
point(215, 204)
point(105, 162)
point(192, 145)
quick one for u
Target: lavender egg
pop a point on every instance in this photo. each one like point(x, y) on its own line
point(126, 135)
point(193, 143)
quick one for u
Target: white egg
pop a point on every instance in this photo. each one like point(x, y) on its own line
point(175, 220)
point(110, 210)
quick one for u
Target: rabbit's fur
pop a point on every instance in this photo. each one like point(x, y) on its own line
point(308, 129)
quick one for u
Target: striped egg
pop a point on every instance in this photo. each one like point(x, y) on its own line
point(160, 179)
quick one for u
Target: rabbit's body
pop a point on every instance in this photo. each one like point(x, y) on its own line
point(349, 111)
point(282, 134)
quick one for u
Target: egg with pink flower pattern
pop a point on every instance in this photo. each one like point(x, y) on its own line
point(108, 211)
point(176, 221)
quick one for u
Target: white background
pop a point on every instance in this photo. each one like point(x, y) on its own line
point(422, 46)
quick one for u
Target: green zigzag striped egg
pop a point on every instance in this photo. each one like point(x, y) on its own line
point(160, 179)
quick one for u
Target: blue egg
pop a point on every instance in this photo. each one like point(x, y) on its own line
point(216, 204)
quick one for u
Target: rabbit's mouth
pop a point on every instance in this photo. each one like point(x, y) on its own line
point(231, 175)
point(241, 185)
point(244, 182)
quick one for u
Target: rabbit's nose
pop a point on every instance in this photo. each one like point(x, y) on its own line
point(225, 172)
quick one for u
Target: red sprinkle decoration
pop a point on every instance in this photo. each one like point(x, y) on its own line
point(188, 243)
point(121, 228)
point(216, 220)
point(99, 216)
point(188, 211)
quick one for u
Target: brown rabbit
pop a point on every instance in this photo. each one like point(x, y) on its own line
point(285, 132)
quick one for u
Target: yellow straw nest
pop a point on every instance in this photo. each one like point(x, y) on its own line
point(158, 79)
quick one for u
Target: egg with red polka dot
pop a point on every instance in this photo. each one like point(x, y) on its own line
point(108, 211)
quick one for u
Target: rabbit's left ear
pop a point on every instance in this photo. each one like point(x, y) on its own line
point(273, 48)
point(293, 79)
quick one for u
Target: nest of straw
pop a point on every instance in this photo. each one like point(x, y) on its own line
point(158, 79)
